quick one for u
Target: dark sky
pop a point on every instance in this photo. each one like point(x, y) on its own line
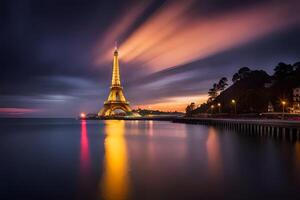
point(56, 55)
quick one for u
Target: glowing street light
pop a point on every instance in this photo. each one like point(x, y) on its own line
point(212, 108)
point(234, 104)
point(219, 106)
point(283, 103)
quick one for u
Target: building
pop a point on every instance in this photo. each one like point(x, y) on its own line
point(296, 101)
point(270, 107)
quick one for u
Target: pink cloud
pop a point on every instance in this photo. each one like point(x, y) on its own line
point(121, 25)
point(172, 36)
point(18, 111)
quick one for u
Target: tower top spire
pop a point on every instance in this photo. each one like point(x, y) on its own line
point(116, 71)
point(116, 46)
point(116, 49)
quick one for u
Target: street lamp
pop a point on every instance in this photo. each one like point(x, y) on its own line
point(234, 104)
point(283, 103)
point(212, 108)
point(219, 106)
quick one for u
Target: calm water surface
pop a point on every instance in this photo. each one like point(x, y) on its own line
point(118, 160)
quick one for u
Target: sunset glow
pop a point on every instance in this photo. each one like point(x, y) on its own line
point(181, 38)
point(174, 104)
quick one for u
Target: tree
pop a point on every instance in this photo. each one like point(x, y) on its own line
point(189, 109)
point(241, 74)
point(244, 70)
point(282, 70)
point(296, 66)
point(216, 89)
point(213, 92)
point(193, 106)
point(235, 77)
point(222, 83)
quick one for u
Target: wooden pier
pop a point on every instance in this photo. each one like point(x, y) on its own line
point(263, 127)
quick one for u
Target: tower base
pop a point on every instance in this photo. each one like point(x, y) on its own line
point(110, 107)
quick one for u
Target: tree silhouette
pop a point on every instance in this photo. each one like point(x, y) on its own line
point(296, 66)
point(241, 74)
point(222, 83)
point(189, 109)
point(213, 92)
point(282, 70)
point(216, 89)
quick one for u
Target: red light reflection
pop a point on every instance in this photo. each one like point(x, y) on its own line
point(84, 148)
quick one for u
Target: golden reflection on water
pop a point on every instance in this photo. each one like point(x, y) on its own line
point(214, 154)
point(115, 180)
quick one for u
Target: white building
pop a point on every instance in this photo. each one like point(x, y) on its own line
point(270, 107)
point(296, 101)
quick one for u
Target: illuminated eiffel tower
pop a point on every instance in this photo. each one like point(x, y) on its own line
point(116, 99)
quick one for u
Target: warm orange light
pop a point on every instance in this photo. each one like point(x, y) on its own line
point(177, 103)
point(82, 115)
point(219, 105)
point(115, 181)
point(283, 102)
point(214, 155)
point(233, 101)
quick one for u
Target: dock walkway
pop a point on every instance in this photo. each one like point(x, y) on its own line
point(270, 127)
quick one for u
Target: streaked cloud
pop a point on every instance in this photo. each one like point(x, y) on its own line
point(172, 36)
point(120, 26)
point(13, 112)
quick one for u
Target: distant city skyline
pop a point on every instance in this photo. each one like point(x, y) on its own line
point(57, 54)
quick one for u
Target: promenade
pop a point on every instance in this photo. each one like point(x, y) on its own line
point(269, 127)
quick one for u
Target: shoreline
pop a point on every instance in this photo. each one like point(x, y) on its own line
point(210, 120)
point(252, 126)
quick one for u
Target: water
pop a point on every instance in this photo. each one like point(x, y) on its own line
point(117, 160)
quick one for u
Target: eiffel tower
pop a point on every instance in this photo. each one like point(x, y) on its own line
point(116, 99)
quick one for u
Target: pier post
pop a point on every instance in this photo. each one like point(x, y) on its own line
point(249, 128)
point(291, 133)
